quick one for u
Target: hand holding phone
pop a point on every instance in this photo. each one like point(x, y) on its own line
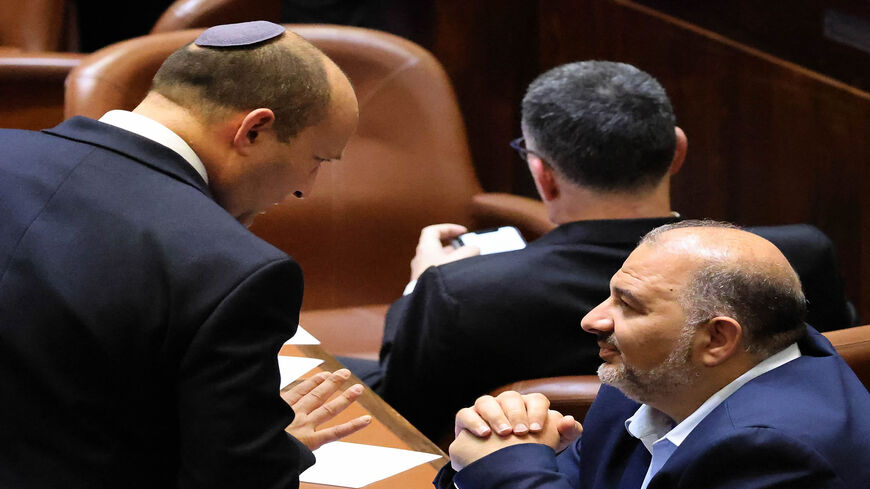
point(496, 240)
point(435, 247)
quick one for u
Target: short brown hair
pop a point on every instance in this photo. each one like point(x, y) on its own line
point(285, 74)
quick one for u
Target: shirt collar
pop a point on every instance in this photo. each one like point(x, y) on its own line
point(650, 425)
point(157, 132)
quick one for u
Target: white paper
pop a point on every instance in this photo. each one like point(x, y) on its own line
point(353, 465)
point(292, 368)
point(302, 337)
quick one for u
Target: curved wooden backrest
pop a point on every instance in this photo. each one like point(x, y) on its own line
point(408, 165)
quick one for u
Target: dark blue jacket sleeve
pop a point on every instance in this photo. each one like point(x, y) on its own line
point(529, 465)
point(231, 415)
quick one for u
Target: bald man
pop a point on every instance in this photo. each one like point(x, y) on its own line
point(139, 319)
point(712, 380)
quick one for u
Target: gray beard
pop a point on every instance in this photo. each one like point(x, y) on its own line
point(661, 381)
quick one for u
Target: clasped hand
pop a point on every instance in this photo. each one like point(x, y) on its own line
point(511, 418)
point(311, 404)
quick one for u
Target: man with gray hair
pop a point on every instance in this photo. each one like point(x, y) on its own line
point(601, 144)
point(712, 380)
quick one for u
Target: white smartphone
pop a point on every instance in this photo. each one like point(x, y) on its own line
point(496, 240)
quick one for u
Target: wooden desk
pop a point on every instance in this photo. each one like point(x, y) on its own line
point(388, 428)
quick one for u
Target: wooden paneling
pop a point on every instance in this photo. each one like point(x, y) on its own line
point(489, 49)
point(818, 34)
point(770, 142)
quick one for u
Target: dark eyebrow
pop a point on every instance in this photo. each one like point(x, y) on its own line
point(629, 297)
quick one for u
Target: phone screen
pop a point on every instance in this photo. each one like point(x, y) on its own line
point(505, 238)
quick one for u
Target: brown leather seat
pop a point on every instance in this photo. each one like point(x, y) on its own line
point(31, 87)
point(574, 394)
point(408, 166)
point(188, 14)
point(854, 346)
point(36, 25)
point(35, 36)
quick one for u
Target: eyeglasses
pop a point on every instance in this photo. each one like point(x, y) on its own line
point(519, 144)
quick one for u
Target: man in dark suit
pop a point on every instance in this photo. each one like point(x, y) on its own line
point(601, 144)
point(139, 319)
point(714, 381)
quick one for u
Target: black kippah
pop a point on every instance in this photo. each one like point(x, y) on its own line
point(241, 34)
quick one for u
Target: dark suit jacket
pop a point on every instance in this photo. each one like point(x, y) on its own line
point(811, 254)
point(139, 322)
point(804, 425)
point(477, 324)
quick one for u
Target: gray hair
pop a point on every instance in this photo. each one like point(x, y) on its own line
point(765, 298)
point(603, 125)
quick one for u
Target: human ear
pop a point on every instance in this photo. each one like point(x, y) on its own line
point(544, 177)
point(719, 339)
point(680, 150)
point(250, 127)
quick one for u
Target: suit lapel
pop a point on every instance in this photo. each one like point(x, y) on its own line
point(134, 146)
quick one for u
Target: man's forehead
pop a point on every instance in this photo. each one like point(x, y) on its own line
point(655, 270)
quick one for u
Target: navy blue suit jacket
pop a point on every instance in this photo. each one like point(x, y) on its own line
point(803, 425)
point(139, 322)
point(516, 315)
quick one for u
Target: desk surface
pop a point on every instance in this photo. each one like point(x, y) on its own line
point(388, 428)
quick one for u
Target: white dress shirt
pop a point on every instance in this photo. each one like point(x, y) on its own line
point(157, 132)
point(657, 431)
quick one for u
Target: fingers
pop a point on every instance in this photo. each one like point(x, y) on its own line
point(569, 428)
point(294, 394)
point(322, 392)
point(432, 251)
point(326, 435)
point(514, 406)
point(509, 413)
point(464, 252)
point(537, 409)
point(491, 411)
point(330, 409)
point(441, 232)
point(468, 419)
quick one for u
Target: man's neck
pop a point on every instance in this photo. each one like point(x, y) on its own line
point(679, 405)
point(580, 204)
point(186, 125)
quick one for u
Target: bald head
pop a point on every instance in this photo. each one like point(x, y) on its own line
point(284, 73)
point(739, 275)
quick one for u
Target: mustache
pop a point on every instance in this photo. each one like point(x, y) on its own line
point(609, 340)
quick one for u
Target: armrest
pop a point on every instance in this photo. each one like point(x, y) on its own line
point(499, 209)
point(42, 66)
point(32, 87)
point(853, 344)
point(569, 394)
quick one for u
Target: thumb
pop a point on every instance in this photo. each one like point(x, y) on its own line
point(465, 252)
point(569, 430)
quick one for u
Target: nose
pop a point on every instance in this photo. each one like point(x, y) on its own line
point(304, 190)
point(598, 321)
